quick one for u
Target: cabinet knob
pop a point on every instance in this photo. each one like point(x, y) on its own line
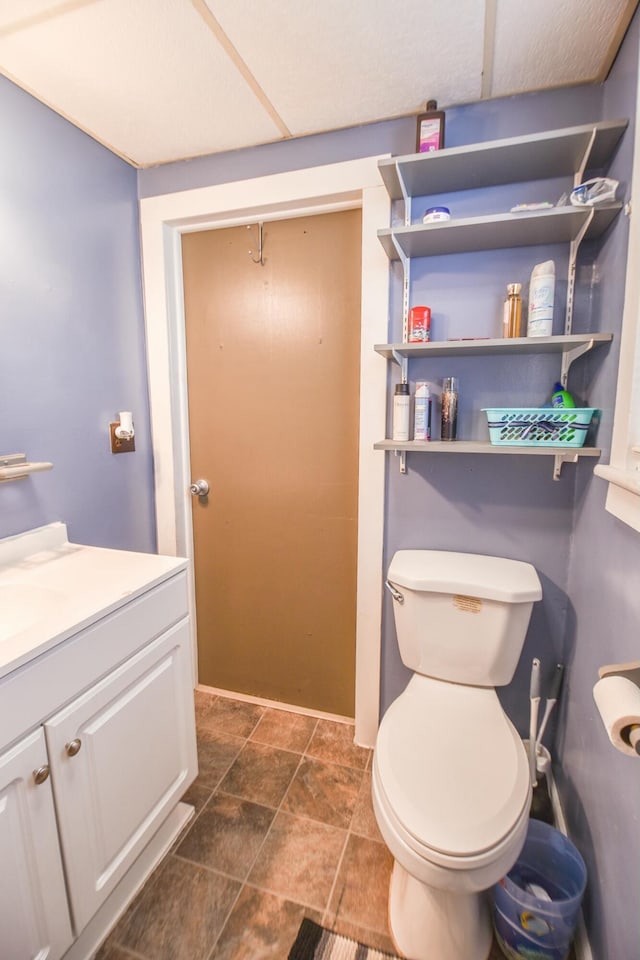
point(41, 774)
point(72, 747)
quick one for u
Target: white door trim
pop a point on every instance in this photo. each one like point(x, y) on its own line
point(354, 183)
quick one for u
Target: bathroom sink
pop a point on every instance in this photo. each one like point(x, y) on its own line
point(22, 605)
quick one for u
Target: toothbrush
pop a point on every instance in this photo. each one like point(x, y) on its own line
point(551, 702)
point(534, 697)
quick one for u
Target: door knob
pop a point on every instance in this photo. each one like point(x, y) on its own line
point(199, 488)
point(72, 747)
point(41, 774)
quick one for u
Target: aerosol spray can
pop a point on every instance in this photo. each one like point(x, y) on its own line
point(422, 412)
point(401, 406)
point(449, 408)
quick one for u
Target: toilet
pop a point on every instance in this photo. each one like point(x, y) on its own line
point(450, 783)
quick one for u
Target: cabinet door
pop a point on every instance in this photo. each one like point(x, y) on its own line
point(122, 755)
point(34, 915)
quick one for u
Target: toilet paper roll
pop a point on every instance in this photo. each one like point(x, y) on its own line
point(618, 701)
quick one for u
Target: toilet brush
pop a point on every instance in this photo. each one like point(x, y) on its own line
point(551, 702)
point(534, 697)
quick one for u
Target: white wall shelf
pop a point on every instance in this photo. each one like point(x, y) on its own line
point(571, 345)
point(569, 454)
point(537, 156)
point(496, 232)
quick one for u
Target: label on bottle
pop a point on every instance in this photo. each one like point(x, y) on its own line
point(429, 136)
point(540, 323)
point(449, 427)
point(401, 407)
point(422, 418)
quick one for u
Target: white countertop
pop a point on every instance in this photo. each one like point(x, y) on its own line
point(50, 588)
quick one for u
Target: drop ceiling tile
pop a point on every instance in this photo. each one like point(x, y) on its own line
point(13, 13)
point(342, 62)
point(147, 78)
point(547, 43)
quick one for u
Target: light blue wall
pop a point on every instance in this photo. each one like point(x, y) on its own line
point(71, 330)
point(600, 786)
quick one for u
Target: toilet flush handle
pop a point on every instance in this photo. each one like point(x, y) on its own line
point(399, 597)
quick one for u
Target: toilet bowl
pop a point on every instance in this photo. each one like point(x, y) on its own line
point(450, 781)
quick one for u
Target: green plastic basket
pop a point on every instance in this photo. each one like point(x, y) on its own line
point(539, 426)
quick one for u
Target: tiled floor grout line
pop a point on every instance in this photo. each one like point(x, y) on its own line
point(328, 917)
point(243, 883)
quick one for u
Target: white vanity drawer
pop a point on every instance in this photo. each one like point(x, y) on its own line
point(34, 691)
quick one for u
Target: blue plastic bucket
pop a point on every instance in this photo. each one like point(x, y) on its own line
point(528, 926)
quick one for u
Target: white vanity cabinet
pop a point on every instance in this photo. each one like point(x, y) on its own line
point(97, 743)
point(34, 917)
point(120, 762)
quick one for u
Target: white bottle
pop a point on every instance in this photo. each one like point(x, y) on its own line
point(541, 296)
point(422, 412)
point(401, 406)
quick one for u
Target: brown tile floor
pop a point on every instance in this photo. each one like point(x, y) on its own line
point(284, 828)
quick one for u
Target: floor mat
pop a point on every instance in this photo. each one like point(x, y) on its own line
point(317, 943)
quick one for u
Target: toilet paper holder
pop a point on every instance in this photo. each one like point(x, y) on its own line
point(620, 707)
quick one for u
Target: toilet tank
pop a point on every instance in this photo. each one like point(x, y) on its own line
point(460, 616)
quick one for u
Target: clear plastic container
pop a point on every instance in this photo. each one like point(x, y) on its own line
point(526, 922)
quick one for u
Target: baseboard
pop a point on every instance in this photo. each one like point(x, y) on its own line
point(581, 940)
point(275, 704)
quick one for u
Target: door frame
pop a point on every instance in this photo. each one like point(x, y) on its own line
point(163, 220)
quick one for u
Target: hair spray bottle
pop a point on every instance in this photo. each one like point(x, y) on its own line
point(422, 411)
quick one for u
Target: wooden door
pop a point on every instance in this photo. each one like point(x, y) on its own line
point(122, 754)
point(34, 916)
point(273, 367)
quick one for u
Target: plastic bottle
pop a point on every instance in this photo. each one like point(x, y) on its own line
point(430, 134)
point(449, 425)
point(422, 412)
point(512, 316)
point(401, 404)
point(561, 397)
point(541, 297)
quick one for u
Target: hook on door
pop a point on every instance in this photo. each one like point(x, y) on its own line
point(260, 259)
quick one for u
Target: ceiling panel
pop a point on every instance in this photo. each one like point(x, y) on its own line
point(161, 80)
point(147, 78)
point(13, 13)
point(342, 62)
point(550, 43)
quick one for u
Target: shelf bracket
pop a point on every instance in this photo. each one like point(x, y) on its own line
point(406, 286)
point(571, 284)
point(403, 363)
point(406, 199)
point(403, 460)
point(561, 458)
point(570, 355)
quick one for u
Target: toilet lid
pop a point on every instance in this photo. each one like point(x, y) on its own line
point(452, 766)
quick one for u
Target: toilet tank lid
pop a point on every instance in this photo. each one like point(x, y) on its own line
point(471, 574)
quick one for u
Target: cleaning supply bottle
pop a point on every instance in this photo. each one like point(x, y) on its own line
point(541, 297)
point(561, 397)
point(512, 316)
point(430, 135)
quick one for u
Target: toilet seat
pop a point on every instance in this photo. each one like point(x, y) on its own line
point(451, 772)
